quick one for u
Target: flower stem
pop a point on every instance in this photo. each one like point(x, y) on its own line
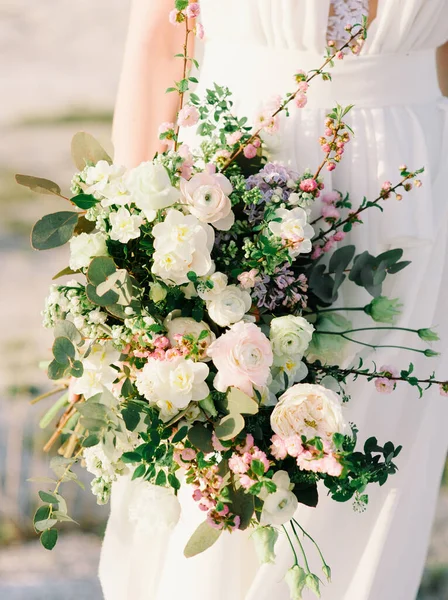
point(184, 76)
point(312, 540)
point(292, 546)
point(301, 547)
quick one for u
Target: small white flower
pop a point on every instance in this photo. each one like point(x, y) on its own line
point(229, 306)
point(125, 226)
point(279, 507)
point(151, 189)
point(84, 247)
point(293, 229)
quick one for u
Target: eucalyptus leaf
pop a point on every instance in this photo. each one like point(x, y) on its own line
point(203, 538)
point(110, 298)
point(239, 402)
point(39, 185)
point(63, 350)
point(242, 505)
point(56, 370)
point(86, 150)
point(64, 272)
point(77, 369)
point(92, 410)
point(84, 225)
point(201, 438)
point(100, 269)
point(229, 426)
point(49, 538)
point(48, 497)
point(53, 230)
point(43, 525)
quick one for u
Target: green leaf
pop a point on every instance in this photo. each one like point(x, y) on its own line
point(180, 435)
point(39, 185)
point(161, 478)
point(93, 424)
point(86, 150)
point(91, 440)
point(242, 505)
point(173, 481)
point(131, 457)
point(66, 329)
point(109, 299)
point(64, 272)
point(203, 538)
point(49, 538)
point(100, 269)
point(131, 417)
point(229, 426)
point(139, 472)
point(63, 350)
point(92, 410)
point(239, 402)
point(53, 230)
point(257, 467)
point(56, 370)
point(84, 201)
point(46, 524)
point(201, 438)
point(77, 369)
point(84, 225)
point(48, 497)
point(181, 4)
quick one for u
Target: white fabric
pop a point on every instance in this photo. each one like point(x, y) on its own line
point(254, 47)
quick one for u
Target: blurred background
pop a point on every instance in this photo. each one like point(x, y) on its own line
point(59, 64)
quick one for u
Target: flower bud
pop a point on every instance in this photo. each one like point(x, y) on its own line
point(428, 335)
point(312, 583)
point(430, 353)
point(327, 572)
point(157, 292)
point(383, 310)
point(264, 539)
point(295, 578)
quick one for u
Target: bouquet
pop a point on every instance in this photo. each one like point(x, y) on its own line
point(197, 342)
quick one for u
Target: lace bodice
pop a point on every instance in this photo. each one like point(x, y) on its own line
point(345, 12)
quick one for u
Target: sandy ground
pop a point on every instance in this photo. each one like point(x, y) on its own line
point(59, 57)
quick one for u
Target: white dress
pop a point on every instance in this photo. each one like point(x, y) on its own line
point(254, 47)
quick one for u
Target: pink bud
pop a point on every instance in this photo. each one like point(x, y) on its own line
point(250, 151)
point(331, 166)
point(339, 236)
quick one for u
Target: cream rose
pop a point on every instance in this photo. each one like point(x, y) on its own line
point(309, 410)
point(229, 306)
point(290, 337)
point(150, 187)
point(207, 198)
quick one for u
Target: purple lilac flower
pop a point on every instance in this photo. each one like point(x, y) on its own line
point(283, 288)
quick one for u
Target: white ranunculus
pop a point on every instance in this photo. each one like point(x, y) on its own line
point(219, 281)
point(290, 337)
point(151, 189)
point(182, 244)
point(310, 410)
point(172, 384)
point(125, 226)
point(207, 198)
point(187, 326)
point(293, 229)
point(229, 306)
point(279, 507)
point(84, 247)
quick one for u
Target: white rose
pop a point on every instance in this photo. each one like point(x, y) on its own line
point(229, 306)
point(293, 229)
point(310, 410)
point(151, 189)
point(187, 326)
point(290, 337)
point(84, 247)
point(172, 384)
point(207, 198)
point(279, 507)
point(182, 244)
point(125, 226)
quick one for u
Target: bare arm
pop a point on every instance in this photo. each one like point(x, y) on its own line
point(149, 68)
point(442, 68)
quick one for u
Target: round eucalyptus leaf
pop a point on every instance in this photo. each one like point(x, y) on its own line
point(53, 230)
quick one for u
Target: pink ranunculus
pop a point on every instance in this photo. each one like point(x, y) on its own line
point(188, 116)
point(250, 151)
point(243, 357)
point(192, 11)
point(161, 342)
point(308, 185)
point(237, 464)
point(207, 198)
